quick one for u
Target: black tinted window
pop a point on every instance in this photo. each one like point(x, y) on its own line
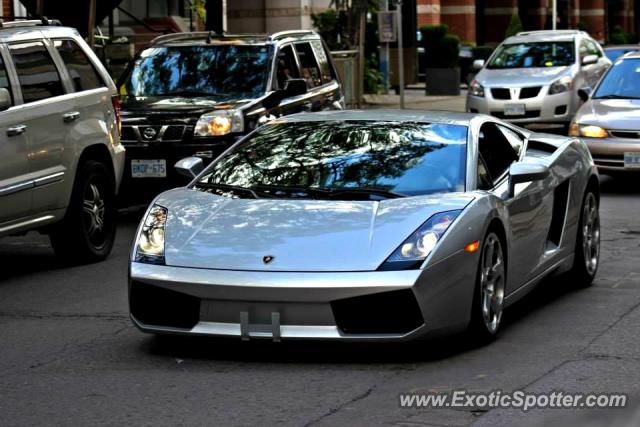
point(532, 55)
point(287, 68)
point(81, 70)
point(37, 73)
point(4, 79)
point(323, 61)
point(308, 65)
point(496, 151)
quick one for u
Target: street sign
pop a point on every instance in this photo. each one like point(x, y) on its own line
point(387, 28)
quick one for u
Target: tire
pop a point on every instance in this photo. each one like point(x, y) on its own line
point(488, 296)
point(587, 252)
point(87, 232)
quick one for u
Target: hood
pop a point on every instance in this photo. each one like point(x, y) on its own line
point(176, 105)
point(521, 77)
point(209, 231)
point(619, 114)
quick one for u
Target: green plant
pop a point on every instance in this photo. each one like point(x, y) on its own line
point(618, 36)
point(373, 80)
point(482, 52)
point(441, 49)
point(329, 27)
point(514, 27)
point(582, 26)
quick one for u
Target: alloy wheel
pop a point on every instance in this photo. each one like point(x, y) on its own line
point(492, 282)
point(93, 209)
point(591, 233)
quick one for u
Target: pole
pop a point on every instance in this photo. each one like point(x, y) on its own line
point(554, 14)
point(400, 54)
point(361, 57)
point(384, 53)
point(91, 23)
point(40, 7)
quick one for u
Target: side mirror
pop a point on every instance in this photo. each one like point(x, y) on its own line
point(189, 166)
point(525, 172)
point(478, 64)
point(589, 59)
point(272, 100)
point(295, 87)
point(584, 93)
point(5, 99)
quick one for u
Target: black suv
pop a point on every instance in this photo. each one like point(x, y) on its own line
point(195, 94)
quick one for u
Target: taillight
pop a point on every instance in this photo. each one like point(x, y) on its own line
point(115, 100)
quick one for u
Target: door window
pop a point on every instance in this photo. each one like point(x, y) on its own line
point(496, 151)
point(308, 65)
point(323, 61)
point(4, 79)
point(593, 48)
point(584, 49)
point(37, 73)
point(516, 141)
point(287, 67)
point(484, 179)
point(81, 71)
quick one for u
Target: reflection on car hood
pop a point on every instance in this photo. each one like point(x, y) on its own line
point(520, 77)
point(208, 231)
point(620, 114)
point(177, 104)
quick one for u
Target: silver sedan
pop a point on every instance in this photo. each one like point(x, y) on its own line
point(353, 225)
point(609, 120)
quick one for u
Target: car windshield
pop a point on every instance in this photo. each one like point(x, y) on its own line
point(532, 55)
point(343, 160)
point(621, 81)
point(233, 71)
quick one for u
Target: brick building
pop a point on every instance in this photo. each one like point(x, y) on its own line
point(485, 21)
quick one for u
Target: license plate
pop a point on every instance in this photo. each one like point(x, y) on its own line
point(632, 160)
point(149, 168)
point(514, 110)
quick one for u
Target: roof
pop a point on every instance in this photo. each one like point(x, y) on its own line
point(631, 55)
point(26, 33)
point(545, 35)
point(202, 37)
point(383, 116)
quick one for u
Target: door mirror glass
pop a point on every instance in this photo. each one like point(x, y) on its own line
point(584, 93)
point(589, 59)
point(190, 166)
point(295, 87)
point(525, 172)
point(478, 64)
point(5, 99)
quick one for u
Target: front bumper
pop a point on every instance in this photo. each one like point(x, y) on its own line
point(543, 108)
point(351, 306)
point(608, 153)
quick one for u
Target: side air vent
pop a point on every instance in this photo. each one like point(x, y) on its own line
point(560, 199)
point(541, 146)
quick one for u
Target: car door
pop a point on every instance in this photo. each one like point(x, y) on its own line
point(16, 182)
point(499, 147)
point(44, 105)
point(310, 71)
point(287, 68)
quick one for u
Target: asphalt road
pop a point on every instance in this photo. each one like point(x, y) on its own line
point(70, 356)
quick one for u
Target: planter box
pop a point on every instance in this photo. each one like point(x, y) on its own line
point(442, 81)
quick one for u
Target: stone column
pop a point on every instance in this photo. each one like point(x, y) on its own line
point(460, 16)
point(592, 15)
point(428, 12)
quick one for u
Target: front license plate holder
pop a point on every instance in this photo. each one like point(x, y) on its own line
point(515, 110)
point(153, 168)
point(632, 160)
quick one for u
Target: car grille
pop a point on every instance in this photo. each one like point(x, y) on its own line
point(529, 92)
point(163, 133)
point(525, 92)
point(530, 114)
point(500, 93)
point(627, 134)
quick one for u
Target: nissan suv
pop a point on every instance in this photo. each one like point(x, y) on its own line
point(196, 94)
point(535, 76)
point(61, 160)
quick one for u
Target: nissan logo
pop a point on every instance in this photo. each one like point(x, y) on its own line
point(149, 133)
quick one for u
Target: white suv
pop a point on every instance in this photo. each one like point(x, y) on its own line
point(61, 161)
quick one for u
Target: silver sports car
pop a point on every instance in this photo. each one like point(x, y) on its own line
point(365, 225)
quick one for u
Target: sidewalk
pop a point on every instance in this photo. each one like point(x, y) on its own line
point(416, 100)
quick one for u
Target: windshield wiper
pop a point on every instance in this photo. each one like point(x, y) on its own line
point(235, 189)
point(191, 93)
point(370, 191)
point(291, 190)
point(614, 96)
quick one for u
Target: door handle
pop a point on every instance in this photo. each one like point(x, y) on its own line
point(16, 130)
point(71, 116)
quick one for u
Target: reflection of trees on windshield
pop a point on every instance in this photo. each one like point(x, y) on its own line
point(529, 55)
point(403, 157)
point(232, 70)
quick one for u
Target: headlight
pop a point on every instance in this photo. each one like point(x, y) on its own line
point(219, 123)
point(587, 131)
point(150, 246)
point(476, 89)
point(413, 251)
point(563, 84)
